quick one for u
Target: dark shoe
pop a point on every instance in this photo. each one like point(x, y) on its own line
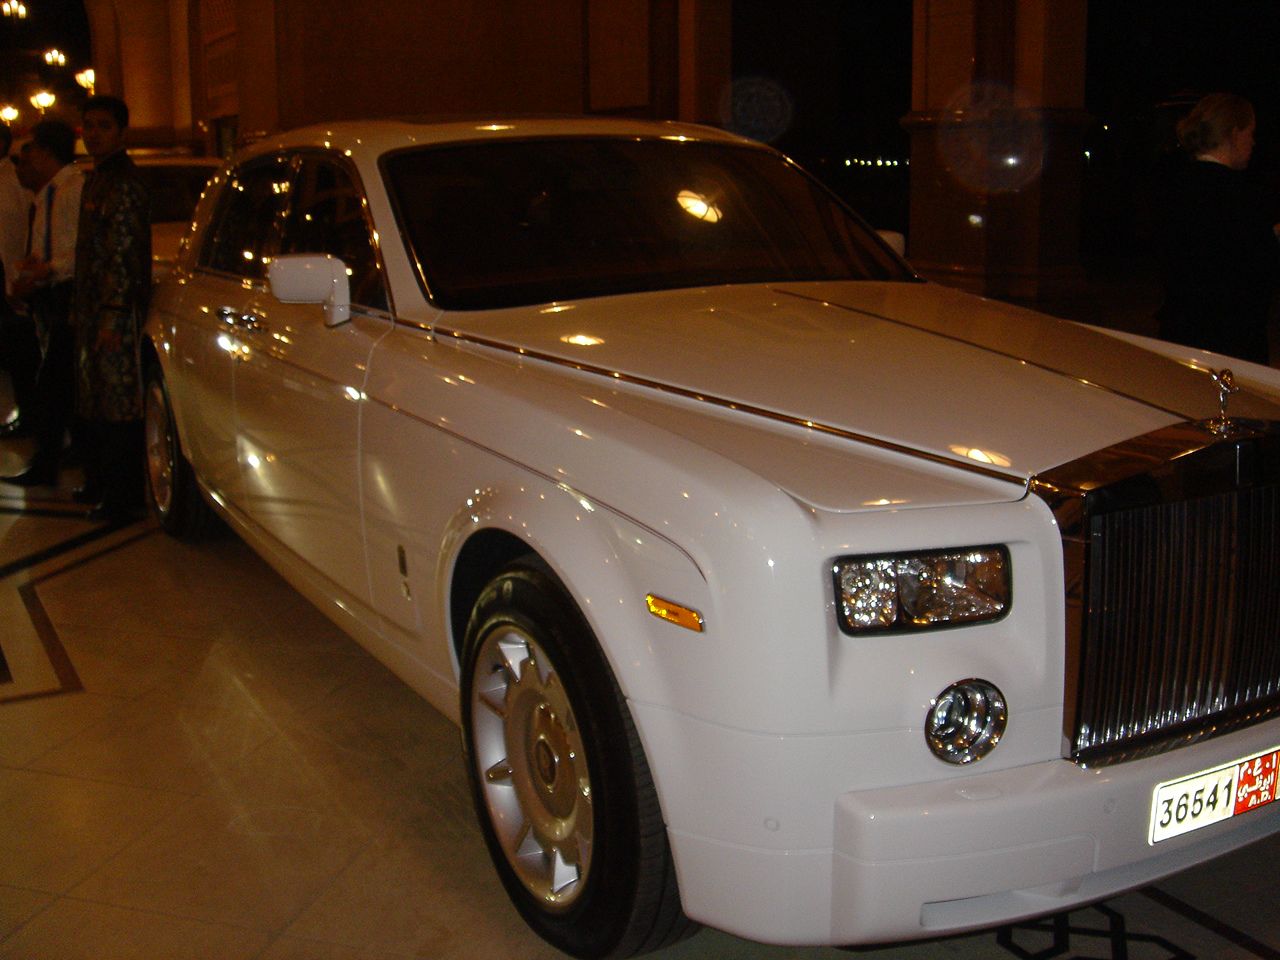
point(90, 496)
point(36, 475)
point(14, 429)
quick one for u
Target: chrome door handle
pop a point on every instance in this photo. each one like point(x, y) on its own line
point(245, 321)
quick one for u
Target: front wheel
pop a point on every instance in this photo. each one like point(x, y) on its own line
point(559, 780)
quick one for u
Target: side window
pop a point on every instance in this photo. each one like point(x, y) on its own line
point(326, 215)
point(243, 237)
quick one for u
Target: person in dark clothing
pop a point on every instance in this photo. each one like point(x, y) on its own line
point(112, 286)
point(1219, 251)
point(19, 345)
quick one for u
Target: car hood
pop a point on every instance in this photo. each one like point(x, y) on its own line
point(909, 365)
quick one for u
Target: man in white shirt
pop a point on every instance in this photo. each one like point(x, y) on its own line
point(45, 280)
point(19, 348)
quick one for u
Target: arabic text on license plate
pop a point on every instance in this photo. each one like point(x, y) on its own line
point(1180, 806)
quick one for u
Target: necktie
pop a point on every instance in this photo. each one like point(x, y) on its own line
point(48, 224)
point(31, 224)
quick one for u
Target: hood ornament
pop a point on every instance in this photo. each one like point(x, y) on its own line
point(1226, 383)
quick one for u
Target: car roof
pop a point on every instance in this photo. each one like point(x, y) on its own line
point(173, 160)
point(85, 162)
point(371, 138)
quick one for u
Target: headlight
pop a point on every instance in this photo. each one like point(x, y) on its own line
point(915, 591)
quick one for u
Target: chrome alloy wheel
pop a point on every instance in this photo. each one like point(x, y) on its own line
point(161, 455)
point(532, 768)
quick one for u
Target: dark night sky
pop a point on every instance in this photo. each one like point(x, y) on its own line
point(1141, 51)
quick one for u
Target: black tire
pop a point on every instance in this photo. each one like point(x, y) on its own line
point(171, 485)
point(560, 783)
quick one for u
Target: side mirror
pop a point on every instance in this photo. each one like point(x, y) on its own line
point(896, 241)
point(312, 278)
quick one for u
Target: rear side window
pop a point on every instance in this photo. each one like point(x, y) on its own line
point(243, 237)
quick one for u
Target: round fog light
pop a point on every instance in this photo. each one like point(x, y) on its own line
point(966, 721)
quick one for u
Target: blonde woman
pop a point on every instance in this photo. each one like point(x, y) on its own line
point(1221, 258)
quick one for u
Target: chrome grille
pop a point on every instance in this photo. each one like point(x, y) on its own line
point(1171, 556)
point(1181, 632)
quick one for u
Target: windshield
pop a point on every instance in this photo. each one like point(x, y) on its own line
point(519, 222)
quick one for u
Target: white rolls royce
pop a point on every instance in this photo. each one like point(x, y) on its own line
point(773, 587)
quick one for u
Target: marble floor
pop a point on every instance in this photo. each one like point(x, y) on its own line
point(194, 763)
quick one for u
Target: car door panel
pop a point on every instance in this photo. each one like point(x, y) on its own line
point(217, 298)
point(299, 388)
point(299, 385)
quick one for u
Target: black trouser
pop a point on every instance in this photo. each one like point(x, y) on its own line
point(113, 462)
point(20, 356)
point(55, 387)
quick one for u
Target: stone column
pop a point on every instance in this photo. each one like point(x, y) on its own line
point(141, 52)
point(131, 48)
point(997, 144)
point(705, 58)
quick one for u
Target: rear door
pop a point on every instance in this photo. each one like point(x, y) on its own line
point(216, 307)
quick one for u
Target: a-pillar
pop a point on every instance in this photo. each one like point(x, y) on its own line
point(997, 144)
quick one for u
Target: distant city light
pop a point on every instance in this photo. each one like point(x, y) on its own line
point(877, 162)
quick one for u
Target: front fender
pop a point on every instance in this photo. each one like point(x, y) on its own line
point(608, 562)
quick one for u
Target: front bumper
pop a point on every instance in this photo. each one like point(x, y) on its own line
point(961, 854)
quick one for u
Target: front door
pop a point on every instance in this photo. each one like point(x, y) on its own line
point(299, 388)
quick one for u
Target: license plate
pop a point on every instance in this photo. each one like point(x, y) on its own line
point(1180, 806)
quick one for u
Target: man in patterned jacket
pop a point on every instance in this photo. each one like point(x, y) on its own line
point(112, 285)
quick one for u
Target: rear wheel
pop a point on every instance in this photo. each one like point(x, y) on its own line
point(560, 783)
point(171, 485)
